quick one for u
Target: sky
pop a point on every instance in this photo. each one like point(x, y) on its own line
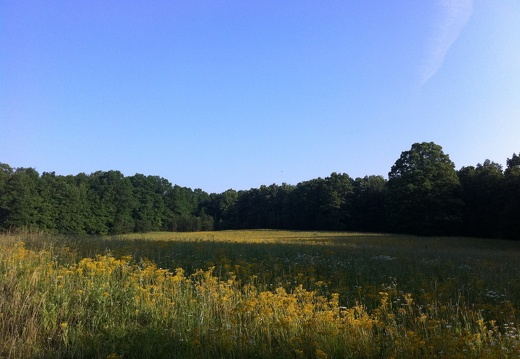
point(224, 95)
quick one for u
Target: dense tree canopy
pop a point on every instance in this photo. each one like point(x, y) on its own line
point(422, 192)
point(423, 195)
point(482, 196)
point(510, 225)
point(367, 208)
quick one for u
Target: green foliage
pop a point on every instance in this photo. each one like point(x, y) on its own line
point(6, 173)
point(99, 203)
point(225, 210)
point(322, 203)
point(422, 194)
point(22, 205)
point(492, 199)
point(482, 193)
point(112, 201)
point(367, 212)
point(263, 207)
point(150, 212)
point(66, 202)
point(510, 224)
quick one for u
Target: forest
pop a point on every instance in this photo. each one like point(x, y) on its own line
point(423, 195)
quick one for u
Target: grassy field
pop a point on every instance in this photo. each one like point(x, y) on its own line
point(258, 294)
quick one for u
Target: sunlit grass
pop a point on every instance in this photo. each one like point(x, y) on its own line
point(264, 294)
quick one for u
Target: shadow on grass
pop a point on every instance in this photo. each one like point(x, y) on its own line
point(356, 266)
point(160, 343)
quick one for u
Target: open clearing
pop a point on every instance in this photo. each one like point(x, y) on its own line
point(261, 293)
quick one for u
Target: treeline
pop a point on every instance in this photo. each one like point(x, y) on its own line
point(424, 194)
point(99, 203)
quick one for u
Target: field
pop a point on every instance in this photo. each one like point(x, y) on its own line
point(258, 294)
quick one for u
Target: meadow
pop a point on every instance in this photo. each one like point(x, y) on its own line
point(258, 294)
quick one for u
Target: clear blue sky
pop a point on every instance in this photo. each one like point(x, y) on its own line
point(237, 94)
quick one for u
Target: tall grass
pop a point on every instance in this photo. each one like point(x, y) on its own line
point(263, 294)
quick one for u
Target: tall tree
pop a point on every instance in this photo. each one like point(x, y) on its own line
point(262, 207)
point(303, 203)
point(112, 203)
point(422, 195)
point(368, 212)
point(510, 226)
point(482, 193)
point(66, 202)
point(21, 201)
point(183, 203)
point(150, 212)
point(6, 172)
point(223, 208)
point(335, 209)
point(321, 203)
